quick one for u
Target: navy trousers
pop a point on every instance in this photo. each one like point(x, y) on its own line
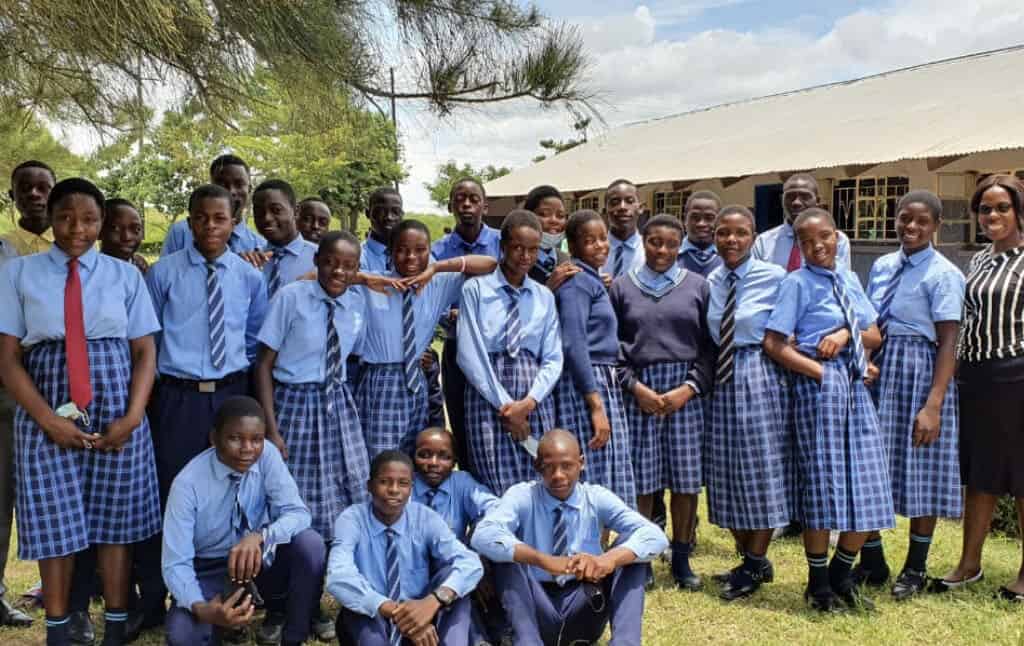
point(291, 585)
point(544, 614)
point(454, 385)
point(435, 396)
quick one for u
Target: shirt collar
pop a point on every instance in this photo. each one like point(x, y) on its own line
point(502, 282)
point(222, 471)
point(633, 242)
point(375, 247)
point(320, 295)
point(482, 239)
point(292, 248)
point(197, 258)
point(377, 528)
point(687, 246)
point(919, 257)
point(831, 274)
point(87, 259)
point(742, 270)
point(421, 487)
point(587, 268)
point(550, 503)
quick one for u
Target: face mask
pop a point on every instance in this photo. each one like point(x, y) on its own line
point(551, 240)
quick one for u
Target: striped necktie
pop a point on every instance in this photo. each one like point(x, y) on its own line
point(513, 328)
point(860, 362)
point(560, 544)
point(726, 331)
point(410, 359)
point(239, 518)
point(890, 293)
point(428, 497)
point(394, 582)
point(215, 308)
point(76, 349)
point(333, 381)
point(617, 262)
point(274, 282)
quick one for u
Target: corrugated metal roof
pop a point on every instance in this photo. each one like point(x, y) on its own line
point(951, 107)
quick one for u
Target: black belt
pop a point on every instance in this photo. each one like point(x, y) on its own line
point(209, 386)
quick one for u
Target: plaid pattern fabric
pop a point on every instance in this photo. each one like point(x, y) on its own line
point(666, 450)
point(611, 466)
point(498, 461)
point(326, 454)
point(925, 480)
point(391, 415)
point(841, 462)
point(69, 499)
point(748, 444)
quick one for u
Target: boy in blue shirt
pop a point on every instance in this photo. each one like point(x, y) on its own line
point(556, 583)
point(236, 528)
point(287, 255)
point(380, 572)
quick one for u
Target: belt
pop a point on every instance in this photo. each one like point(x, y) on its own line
point(204, 386)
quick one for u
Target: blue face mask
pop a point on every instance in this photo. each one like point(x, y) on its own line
point(551, 240)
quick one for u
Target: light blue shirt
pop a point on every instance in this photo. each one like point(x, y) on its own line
point(374, 257)
point(774, 245)
point(688, 258)
point(242, 239)
point(357, 567)
point(931, 290)
point(807, 307)
point(756, 293)
point(526, 514)
point(483, 312)
point(177, 284)
point(296, 328)
point(115, 303)
point(460, 500)
point(296, 260)
point(383, 340)
point(452, 245)
point(632, 253)
point(200, 507)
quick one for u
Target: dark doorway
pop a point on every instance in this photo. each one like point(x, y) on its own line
point(767, 206)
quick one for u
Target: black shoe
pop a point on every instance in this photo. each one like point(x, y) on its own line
point(938, 586)
point(1006, 594)
point(823, 600)
point(11, 616)
point(690, 582)
point(908, 583)
point(269, 632)
point(322, 628)
point(861, 575)
point(80, 629)
point(767, 573)
point(741, 585)
point(852, 598)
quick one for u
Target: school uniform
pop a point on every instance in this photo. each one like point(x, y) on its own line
point(840, 454)
point(563, 610)
point(547, 260)
point(664, 343)
point(68, 499)
point(452, 245)
point(590, 346)
point(780, 246)
point(242, 239)
point(509, 347)
point(312, 334)
point(210, 313)
point(699, 260)
point(371, 563)
point(287, 263)
point(748, 457)
point(624, 255)
point(460, 500)
point(210, 509)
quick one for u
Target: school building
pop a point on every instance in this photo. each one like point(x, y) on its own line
point(940, 126)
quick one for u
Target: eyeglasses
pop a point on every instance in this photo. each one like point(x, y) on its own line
point(1003, 208)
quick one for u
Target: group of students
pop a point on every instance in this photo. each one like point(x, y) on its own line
point(268, 394)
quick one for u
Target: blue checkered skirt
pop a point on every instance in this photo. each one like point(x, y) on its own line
point(611, 466)
point(666, 450)
point(69, 499)
point(326, 454)
point(748, 449)
point(926, 479)
point(391, 416)
point(841, 463)
point(498, 460)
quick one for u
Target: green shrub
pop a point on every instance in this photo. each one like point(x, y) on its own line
point(1004, 520)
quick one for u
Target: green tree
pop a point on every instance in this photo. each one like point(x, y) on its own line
point(580, 125)
point(450, 172)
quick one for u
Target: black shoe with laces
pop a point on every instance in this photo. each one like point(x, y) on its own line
point(851, 597)
point(767, 573)
point(269, 632)
point(909, 583)
point(80, 629)
point(873, 578)
point(741, 584)
point(822, 600)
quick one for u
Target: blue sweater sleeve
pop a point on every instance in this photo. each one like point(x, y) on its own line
point(574, 305)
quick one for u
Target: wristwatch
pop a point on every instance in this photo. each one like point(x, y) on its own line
point(445, 596)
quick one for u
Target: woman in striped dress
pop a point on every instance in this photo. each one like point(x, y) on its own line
point(662, 323)
point(588, 398)
point(991, 377)
point(77, 354)
point(919, 296)
point(746, 465)
point(510, 349)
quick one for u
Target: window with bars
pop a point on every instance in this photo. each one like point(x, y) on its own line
point(592, 203)
point(865, 208)
point(671, 202)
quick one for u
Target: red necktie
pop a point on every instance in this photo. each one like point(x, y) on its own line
point(74, 339)
point(794, 257)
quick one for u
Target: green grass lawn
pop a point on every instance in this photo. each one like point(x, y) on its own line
point(775, 615)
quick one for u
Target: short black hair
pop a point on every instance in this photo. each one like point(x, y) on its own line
point(737, 209)
point(618, 181)
point(74, 186)
point(313, 198)
point(405, 225)
point(929, 199)
point(32, 163)
point(702, 195)
point(387, 457)
point(237, 407)
point(576, 222)
point(813, 212)
point(538, 194)
point(218, 164)
point(518, 218)
point(330, 238)
point(209, 191)
point(379, 194)
point(471, 180)
point(803, 177)
point(664, 220)
point(278, 185)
